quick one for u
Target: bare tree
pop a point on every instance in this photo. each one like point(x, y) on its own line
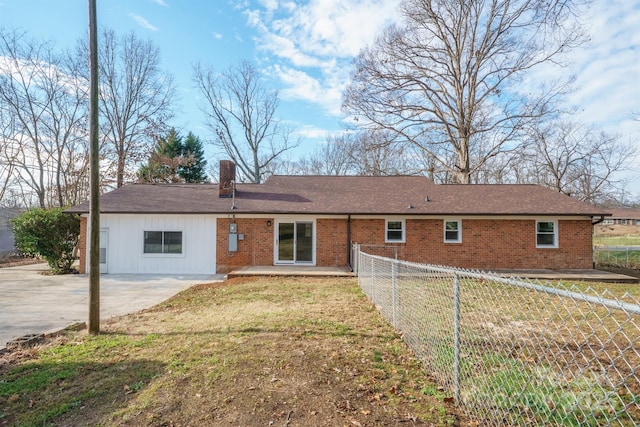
point(241, 114)
point(285, 165)
point(7, 156)
point(579, 161)
point(452, 81)
point(135, 101)
point(24, 103)
point(66, 127)
point(362, 153)
point(375, 152)
point(333, 157)
point(42, 114)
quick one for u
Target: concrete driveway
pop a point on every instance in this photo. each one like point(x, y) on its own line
point(32, 303)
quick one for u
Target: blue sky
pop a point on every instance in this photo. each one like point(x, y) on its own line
point(305, 48)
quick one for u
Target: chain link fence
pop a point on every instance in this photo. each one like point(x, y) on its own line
point(514, 352)
point(617, 256)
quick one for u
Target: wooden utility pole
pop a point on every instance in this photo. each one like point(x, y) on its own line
point(94, 203)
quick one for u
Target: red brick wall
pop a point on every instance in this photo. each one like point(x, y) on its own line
point(82, 246)
point(486, 243)
point(255, 249)
point(332, 246)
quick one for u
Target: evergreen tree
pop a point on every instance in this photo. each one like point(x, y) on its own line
point(193, 171)
point(174, 160)
point(164, 161)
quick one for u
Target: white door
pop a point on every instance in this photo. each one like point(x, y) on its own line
point(104, 245)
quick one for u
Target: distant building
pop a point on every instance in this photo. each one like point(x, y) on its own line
point(623, 217)
point(6, 236)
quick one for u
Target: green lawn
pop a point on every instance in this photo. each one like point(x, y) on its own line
point(626, 240)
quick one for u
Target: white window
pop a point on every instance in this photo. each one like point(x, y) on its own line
point(546, 234)
point(162, 242)
point(394, 231)
point(452, 231)
point(608, 221)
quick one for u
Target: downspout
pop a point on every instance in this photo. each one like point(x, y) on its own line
point(349, 251)
point(593, 223)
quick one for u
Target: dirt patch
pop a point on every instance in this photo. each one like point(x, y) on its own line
point(626, 271)
point(616, 230)
point(250, 352)
point(16, 261)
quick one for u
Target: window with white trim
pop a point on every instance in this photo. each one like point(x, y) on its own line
point(162, 242)
point(546, 234)
point(394, 231)
point(452, 231)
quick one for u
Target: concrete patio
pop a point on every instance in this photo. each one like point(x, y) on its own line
point(585, 275)
point(291, 270)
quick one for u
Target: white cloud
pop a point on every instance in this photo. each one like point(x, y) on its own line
point(217, 36)
point(607, 72)
point(336, 28)
point(160, 3)
point(312, 132)
point(269, 5)
point(143, 22)
point(21, 68)
point(313, 43)
point(608, 68)
point(300, 86)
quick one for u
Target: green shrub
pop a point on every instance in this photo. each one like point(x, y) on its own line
point(48, 233)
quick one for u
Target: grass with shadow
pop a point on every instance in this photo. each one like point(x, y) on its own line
point(269, 351)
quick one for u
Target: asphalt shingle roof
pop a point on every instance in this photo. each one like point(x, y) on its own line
point(389, 195)
point(625, 213)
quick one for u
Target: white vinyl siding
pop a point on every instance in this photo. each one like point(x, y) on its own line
point(126, 248)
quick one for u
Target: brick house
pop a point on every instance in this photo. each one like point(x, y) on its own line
point(626, 216)
point(312, 221)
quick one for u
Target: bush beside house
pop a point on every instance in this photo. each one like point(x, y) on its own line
point(50, 234)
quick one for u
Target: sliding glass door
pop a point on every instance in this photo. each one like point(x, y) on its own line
point(294, 242)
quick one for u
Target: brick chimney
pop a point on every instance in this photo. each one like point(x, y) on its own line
point(227, 178)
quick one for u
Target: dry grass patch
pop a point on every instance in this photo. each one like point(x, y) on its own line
point(274, 351)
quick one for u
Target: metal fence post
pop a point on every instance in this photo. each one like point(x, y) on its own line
point(568, 383)
point(626, 261)
point(356, 257)
point(373, 281)
point(394, 269)
point(456, 338)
